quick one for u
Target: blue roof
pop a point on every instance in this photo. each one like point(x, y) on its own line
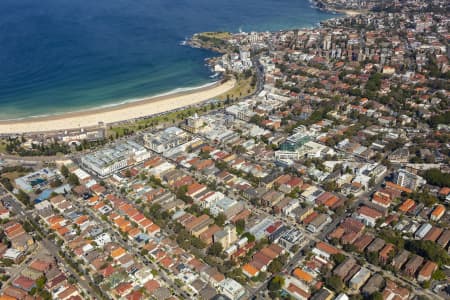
point(142, 237)
point(45, 195)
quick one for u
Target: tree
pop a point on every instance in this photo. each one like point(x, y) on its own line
point(372, 257)
point(98, 278)
point(374, 83)
point(181, 194)
point(330, 186)
point(443, 118)
point(23, 197)
point(7, 183)
point(156, 181)
point(27, 226)
point(240, 226)
point(40, 282)
point(197, 243)
point(335, 283)
point(276, 283)
point(64, 171)
point(220, 219)
point(239, 149)
point(73, 179)
point(372, 181)
point(436, 177)
point(275, 266)
point(261, 276)
point(204, 154)
point(338, 258)
point(424, 197)
point(392, 237)
point(46, 295)
point(439, 275)
point(429, 250)
point(376, 296)
point(216, 249)
point(249, 236)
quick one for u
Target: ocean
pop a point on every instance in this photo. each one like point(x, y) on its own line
point(66, 55)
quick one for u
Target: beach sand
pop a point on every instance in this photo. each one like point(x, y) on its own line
point(350, 12)
point(113, 114)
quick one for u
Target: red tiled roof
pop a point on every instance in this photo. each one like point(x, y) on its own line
point(407, 205)
point(327, 248)
point(428, 268)
point(369, 212)
point(24, 283)
point(151, 285)
point(135, 295)
point(295, 289)
point(123, 287)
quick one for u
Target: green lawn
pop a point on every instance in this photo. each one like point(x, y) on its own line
point(242, 89)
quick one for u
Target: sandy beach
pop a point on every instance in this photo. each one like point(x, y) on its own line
point(113, 114)
point(350, 12)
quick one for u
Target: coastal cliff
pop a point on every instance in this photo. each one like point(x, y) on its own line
point(214, 41)
point(347, 7)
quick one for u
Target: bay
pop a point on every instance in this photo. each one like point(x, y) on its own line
point(66, 55)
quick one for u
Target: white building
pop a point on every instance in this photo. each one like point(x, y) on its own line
point(166, 140)
point(35, 180)
point(243, 111)
point(82, 175)
point(342, 296)
point(232, 289)
point(409, 180)
point(422, 231)
point(143, 275)
point(109, 160)
point(227, 206)
point(288, 209)
point(313, 149)
point(318, 223)
point(359, 279)
point(12, 254)
point(103, 239)
point(368, 216)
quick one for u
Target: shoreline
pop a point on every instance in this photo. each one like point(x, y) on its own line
point(350, 12)
point(131, 109)
point(324, 6)
point(126, 111)
point(120, 103)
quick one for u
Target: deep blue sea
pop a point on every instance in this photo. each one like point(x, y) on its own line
point(65, 55)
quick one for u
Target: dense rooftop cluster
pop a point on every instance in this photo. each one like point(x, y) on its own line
point(331, 182)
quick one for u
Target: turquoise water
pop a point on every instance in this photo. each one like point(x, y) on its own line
point(65, 55)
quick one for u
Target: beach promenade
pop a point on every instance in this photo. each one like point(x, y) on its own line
point(114, 114)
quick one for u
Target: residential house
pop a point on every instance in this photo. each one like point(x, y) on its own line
point(427, 270)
